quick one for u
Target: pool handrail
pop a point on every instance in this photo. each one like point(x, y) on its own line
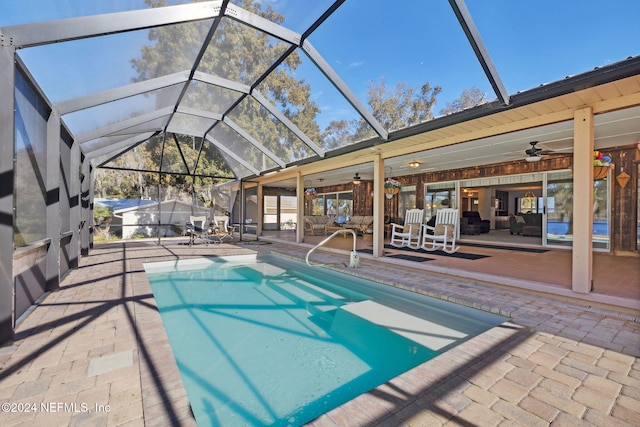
point(354, 261)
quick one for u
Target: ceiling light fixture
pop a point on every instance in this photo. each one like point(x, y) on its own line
point(533, 158)
point(356, 179)
point(414, 165)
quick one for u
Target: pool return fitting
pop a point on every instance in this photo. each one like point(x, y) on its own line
point(354, 260)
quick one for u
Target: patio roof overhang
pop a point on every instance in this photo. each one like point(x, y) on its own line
point(491, 124)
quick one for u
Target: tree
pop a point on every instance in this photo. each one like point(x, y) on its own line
point(242, 54)
point(399, 107)
point(339, 133)
point(470, 97)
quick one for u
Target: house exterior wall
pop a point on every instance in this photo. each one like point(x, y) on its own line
point(623, 200)
point(144, 221)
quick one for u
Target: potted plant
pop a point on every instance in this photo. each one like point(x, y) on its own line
point(601, 165)
point(310, 193)
point(392, 186)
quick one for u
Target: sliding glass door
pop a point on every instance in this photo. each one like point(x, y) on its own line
point(560, 211)
point(439, 196)
point(535, 208)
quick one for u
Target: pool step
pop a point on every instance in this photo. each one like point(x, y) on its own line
point(301, 291)
point(421, 331)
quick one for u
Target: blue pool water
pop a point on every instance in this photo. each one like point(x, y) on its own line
point(263, 340)
point(561, 228)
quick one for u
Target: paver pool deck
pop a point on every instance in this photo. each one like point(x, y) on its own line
point(95, 353)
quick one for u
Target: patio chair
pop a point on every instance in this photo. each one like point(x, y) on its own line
point(409, 233)
point(443, 236)
point(197, 228)
point(222, 229)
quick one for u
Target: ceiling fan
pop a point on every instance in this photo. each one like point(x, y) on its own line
point(535, 153)
point(356, 179)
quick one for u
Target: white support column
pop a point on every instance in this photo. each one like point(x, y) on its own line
point(7, 146)
point(378, 207)
point(53, 201)
point(582, 253)
point(300, 208)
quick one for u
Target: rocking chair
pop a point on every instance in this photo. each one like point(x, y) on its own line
point(443, 233)
point(409, 233)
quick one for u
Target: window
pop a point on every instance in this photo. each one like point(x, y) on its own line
point(317, 205)
point(336, 204)
point(407, 199)
point(345, 204)
point(439, 196)
point(280, 213)
point(288, 212)
point(270, 218)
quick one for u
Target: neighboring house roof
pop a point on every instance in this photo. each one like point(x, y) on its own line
point(116, 204)
point(166, 204)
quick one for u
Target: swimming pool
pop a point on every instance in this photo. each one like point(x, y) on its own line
point(265, 340)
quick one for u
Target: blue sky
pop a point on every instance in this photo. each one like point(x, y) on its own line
point(530, 42)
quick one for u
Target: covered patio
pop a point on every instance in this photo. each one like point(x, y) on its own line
point(524, 266)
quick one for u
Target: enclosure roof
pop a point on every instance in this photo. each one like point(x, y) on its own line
point(258, 88)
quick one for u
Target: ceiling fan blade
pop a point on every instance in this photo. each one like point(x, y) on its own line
point(533, 151)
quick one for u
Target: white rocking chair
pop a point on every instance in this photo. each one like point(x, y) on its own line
point(443, 234)
point(409, 233)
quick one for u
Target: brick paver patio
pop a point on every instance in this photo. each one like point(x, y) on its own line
point(96, 353)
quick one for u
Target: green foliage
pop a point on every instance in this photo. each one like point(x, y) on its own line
point(100, 211)
point(470, 97)
point(403, 105)
point(237, 52)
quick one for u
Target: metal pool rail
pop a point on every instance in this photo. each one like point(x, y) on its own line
point(354, 260)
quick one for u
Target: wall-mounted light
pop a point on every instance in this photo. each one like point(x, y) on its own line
point(414, 165)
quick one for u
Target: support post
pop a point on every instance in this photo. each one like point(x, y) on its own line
point(300, 208)
point(260, 206)
point(378, 207)
point(74, 205)
point(85, 211)
point(582, 251)
point(7, 147)
point(53, 202)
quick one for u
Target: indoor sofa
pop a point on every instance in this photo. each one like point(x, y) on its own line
point(527, 224)
point(473, 218)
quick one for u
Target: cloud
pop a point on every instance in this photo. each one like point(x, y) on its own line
point(356, 64)
point(316, 95)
